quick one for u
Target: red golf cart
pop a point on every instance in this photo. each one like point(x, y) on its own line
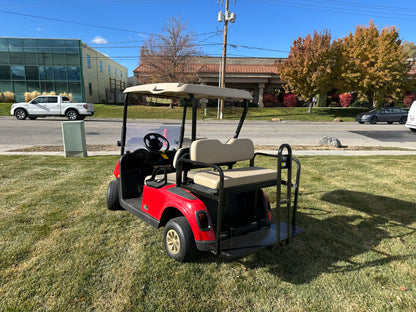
point(196, 192)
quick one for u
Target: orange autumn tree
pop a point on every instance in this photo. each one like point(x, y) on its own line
point(310, 68)
point(374, 64)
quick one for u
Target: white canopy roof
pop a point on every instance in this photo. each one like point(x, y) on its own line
point(184, 90)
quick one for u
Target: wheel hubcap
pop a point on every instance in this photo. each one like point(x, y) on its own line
point(173, 242)
point(20, 114)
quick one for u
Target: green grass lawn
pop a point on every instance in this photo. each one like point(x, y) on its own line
point(284, 113)
point(254, 113)
point(61, 250)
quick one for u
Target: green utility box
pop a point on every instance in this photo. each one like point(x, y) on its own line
point(73, 134)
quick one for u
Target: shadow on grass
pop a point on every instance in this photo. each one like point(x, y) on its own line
point(331, 243)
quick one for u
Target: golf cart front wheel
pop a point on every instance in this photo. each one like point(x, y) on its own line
point(179, 240)
point(113, 202)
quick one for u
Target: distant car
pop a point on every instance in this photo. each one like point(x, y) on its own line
point(388, 114)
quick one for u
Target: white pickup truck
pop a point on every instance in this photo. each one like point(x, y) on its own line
point(52, 105)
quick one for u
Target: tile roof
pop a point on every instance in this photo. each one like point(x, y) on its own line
point(214, 68)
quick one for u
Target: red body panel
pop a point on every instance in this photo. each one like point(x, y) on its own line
point(155, 201)
point(116, 170)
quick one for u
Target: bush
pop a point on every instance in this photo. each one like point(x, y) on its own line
point(345, 99)
point(289, 99)
point(8, 97)
point(269, 100)
point(31, 95)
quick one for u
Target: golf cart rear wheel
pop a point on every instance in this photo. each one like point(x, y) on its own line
point(179, 240)
point(113, 202)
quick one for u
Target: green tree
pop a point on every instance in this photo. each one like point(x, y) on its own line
point(311, 66)
point(374, 64)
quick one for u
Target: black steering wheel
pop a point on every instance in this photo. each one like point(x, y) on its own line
point(154, 143)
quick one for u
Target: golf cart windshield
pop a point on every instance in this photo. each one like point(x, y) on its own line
point(137, 131)
point(179, 90)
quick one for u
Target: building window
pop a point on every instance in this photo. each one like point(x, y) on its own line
point(109, 70)
point(88, 61)
point(18, 72)
point(74, 73)
point(5, 73)
point(101, 66)
point(90, 88)
point(121, 74)
point(115, 72)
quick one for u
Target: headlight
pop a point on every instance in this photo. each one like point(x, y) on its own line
point(366, 116)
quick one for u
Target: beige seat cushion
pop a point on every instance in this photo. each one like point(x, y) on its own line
point(234, 177)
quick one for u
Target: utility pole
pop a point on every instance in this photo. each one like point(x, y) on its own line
point(228, 17)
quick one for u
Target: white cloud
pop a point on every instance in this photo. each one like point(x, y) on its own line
point(99, 40)
point(39, 29)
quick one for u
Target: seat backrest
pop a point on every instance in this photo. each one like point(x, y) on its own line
point(212, 151)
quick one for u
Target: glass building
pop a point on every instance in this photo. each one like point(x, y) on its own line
point(46, 65)
point(42, 65)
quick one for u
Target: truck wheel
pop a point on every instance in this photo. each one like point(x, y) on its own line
point(72, 114)
point(81, 117)
point(113, 202)
point(20, 114)
point(179, 240)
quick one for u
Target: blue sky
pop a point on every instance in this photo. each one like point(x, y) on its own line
point(263, 28)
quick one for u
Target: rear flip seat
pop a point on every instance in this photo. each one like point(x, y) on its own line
point(212, 151)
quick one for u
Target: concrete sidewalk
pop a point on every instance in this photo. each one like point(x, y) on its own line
point(6, 150)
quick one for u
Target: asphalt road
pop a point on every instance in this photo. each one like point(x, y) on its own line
point(48, 131)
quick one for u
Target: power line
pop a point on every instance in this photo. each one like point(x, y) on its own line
point(333, 7)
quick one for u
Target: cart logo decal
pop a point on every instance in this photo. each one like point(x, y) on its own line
point(146, 207)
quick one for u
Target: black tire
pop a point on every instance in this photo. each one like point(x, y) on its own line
point(413, 129)
point(71, 114)
point(402, 120)
point(390, 122)
point(113, 201)
point(179, 240)
point(20, 114)
point(373, 120)
point(81, 117)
